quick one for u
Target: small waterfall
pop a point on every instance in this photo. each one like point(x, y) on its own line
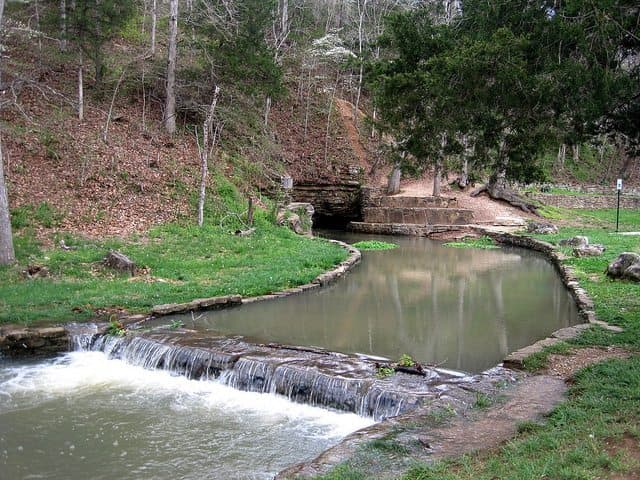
point(334, 381)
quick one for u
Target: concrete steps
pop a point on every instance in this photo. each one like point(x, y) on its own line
point(418, 215)
point(412, 202)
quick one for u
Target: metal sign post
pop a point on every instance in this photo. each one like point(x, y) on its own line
point(619, 190)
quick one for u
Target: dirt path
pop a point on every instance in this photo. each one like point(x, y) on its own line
point(485, 210)
point(346, 112)
point(414, 437)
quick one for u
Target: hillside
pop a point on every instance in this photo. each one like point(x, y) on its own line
point(117, 172)
point(64, 168)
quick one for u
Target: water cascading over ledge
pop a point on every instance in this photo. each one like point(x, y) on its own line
point(319, 378)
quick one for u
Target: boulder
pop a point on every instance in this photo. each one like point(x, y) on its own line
point(632, 273)
point(541, 228)
point(120, 262)
point(594, 250)
point(627, 266)
point(298, 216)
point(577, 241)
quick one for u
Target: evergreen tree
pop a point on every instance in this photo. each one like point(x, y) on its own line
point(92, 23)
point(511, 75)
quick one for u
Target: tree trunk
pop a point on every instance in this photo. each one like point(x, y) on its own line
point(37, 12)
point(329, 112)
point(437, 177)
point(463, 181)
point(437, 167)
point(208, 141)
point(498, 179)
point(393, 186)
point(105, 133)
point(498, 189)
point(81, 89)
point(562, 155)
point(467, 152)
point(267, 110)
point(63, 25)
point(154, 22)
point(362, 8)
point(250, 212)
point(170, 102)
point(7, 253)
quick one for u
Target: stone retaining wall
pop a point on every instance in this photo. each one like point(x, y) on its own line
point(331, 201)
point(17, 341)
point(411, 202)
point(418, 215)
point(587, 201)
point(407, 229)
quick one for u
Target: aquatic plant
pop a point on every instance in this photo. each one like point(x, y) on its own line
point(374, 245)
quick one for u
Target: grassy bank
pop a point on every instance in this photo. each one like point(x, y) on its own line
point(177, 263)
point(595, 433)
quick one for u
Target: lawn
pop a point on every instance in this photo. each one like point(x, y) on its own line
point(176, 263)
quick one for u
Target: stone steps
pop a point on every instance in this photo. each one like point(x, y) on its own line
point(418, 215)
point(412, 202)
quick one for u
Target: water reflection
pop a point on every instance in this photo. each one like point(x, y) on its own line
point(464, 309)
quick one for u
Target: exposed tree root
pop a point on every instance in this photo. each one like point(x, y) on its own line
point(508, 196)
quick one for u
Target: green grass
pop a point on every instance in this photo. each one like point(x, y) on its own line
point(538, 361)
point(484, 243)
point(603, 405)
point(374, 245)
point(604, 219)
point(179, 262)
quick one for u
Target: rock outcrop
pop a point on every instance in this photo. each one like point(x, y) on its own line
point(626, 266)
point(298, 216)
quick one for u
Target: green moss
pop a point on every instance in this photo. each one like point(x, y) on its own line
point(374, 245)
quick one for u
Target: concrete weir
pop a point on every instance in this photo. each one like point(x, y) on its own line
point(304, 375)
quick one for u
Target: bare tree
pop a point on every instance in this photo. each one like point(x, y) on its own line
point(63, 25)
point(170, 101)
point(7, 252)
point(209, 137)
point(154, 22)
point(362, 10)
point(281, 30)
point(81, 88)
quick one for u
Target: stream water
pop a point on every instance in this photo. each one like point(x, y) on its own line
point(83, 416)
point(464, 309)
point(87, 415)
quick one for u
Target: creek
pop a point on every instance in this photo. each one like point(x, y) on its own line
point(463, 309)
point(136, 409)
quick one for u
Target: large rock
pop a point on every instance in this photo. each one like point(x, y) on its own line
point(626, 266)
point(541, 228)
point(120, 262)
point(578, 241)
point(298, 216)
point(633, 272)
point(594, 250)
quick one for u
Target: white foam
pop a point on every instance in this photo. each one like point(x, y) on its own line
point(85, 373)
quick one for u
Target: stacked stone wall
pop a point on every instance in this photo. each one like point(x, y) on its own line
point(587, 201)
